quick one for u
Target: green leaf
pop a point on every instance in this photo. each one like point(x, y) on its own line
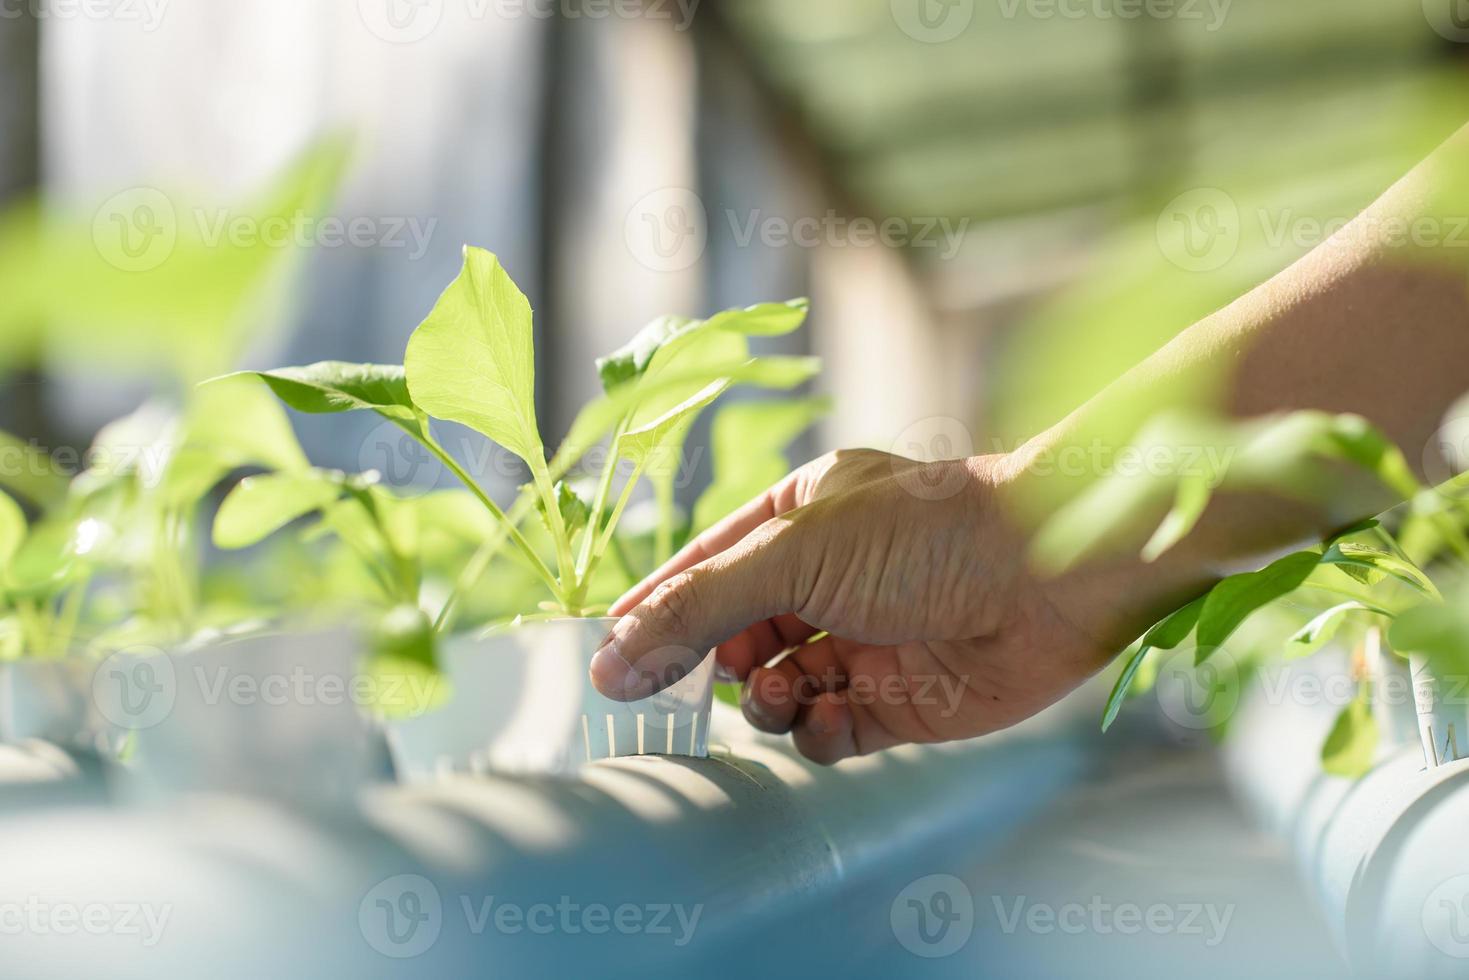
point(728, 694)
point(12, 531)
point(574, 511)
point(1351, 747)
point(1436, 630)
point(261, 505)
point(240, 424)
point(403, 667)
point(329, 387)
point(1232, 601)
point(601, 415)
point(1191, 497)
point(1349, 555)
point(634, 358)
point(473, 359)
point(1165, 635)
point(34, 475)
point(1323, 628)
point(1357, 440)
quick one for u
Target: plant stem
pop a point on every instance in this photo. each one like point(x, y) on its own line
point(469, 482)
point(564, 562)
point(606, 536)
point(599, 503)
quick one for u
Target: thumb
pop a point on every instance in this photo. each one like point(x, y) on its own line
point(668, 634)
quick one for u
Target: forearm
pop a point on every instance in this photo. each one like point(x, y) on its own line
point(1375, 322)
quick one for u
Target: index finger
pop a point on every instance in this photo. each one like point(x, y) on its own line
point(717, 539)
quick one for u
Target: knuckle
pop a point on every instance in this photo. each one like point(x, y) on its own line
point(673, 606)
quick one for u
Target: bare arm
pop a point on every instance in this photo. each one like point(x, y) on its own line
point(923, 592)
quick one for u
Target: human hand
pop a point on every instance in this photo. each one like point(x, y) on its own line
point(934, 628)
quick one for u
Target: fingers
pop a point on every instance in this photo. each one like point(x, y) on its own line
point(671, 630)
point(808, 694)
point(762, 643)
point(836, 728)
point(717, 539)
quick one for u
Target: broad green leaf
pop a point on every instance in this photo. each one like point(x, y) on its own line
point(601, 415)
point(261, 505)
point(1322, 629)
point(328, 387)
point(634, 358)
point(1351, 747)
point(1192, 496)
point(12, 531)
point(53, 554)
point(1165, 635)
point(653, 444)
point(473, 359)
point(1231, 601)
point(1350, 555)
point(748, 443)
point(728, 694)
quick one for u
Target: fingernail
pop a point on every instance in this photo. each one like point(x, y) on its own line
point(755, 711)
point(612, 674)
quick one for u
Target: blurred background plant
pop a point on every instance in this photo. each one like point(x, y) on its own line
point(1061, 193)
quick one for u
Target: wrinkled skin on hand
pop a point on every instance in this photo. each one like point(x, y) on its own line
point(899, 593)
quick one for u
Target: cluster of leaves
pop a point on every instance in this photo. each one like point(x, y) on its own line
point(472, 361)
point(1363, 578)
point(107, 558)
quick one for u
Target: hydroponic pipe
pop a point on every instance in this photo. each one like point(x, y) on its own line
point(1384, 855)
